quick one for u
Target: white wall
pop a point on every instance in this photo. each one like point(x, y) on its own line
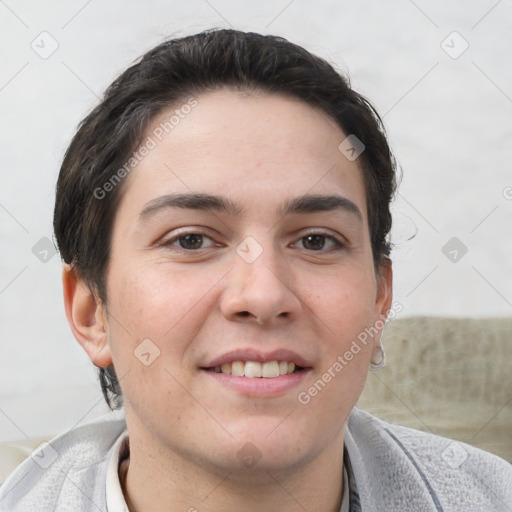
point(449, 122)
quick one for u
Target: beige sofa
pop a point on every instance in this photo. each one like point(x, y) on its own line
point(452, 377)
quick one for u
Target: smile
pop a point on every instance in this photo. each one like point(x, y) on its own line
point(255, 369)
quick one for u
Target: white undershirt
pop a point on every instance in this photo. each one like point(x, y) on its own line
point(114, 492)
point(115, 497)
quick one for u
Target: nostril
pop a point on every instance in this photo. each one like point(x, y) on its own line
point(244, 313)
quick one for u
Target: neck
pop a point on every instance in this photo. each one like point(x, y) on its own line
point(154, 483)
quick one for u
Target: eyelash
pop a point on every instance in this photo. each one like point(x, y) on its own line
point(338, 245)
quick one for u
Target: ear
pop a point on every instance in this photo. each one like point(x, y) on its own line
point(384, 296)
point(87, 318)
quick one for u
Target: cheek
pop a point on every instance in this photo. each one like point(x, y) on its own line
point(345, 306)
point(150, 332)
point(346, 301)
point(165, 305)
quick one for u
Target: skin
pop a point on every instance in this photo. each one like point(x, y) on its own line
point(185, 429)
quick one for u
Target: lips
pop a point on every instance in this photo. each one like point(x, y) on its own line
point(253, 355)
point(257, 374)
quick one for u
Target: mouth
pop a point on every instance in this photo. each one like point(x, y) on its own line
point(256, 369)
point(253, 373)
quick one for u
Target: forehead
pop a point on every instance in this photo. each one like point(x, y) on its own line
point(252, 146)
point(252, 121)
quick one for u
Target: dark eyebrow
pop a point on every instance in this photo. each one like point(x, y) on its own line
point(192, 201)
point(320, 203)
point(208, 202)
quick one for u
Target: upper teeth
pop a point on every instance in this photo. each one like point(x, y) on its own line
point(256, 369)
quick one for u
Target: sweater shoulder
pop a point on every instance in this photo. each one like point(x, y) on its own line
point(452, 471)
point(68, 469)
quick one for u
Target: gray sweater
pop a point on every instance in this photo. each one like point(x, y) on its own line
point(392, 469)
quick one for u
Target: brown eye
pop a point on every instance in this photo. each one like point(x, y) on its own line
point(313, 242)
point(191, 241)
point(320, 242)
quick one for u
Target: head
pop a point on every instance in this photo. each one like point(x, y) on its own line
point(246, 136)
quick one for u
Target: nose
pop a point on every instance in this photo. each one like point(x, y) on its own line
point(260, 291)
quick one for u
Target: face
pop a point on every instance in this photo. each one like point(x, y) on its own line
point(242, 237)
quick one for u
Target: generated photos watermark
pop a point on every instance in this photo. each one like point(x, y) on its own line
point(145, 148)
point(305, 397)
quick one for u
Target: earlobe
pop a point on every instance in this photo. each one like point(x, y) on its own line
point(382, 308)
point(87, 318)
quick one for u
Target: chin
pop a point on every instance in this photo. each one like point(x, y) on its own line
point(251, 462)
point(267, 443)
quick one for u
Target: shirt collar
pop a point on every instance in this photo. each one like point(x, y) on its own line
point(114, 493)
